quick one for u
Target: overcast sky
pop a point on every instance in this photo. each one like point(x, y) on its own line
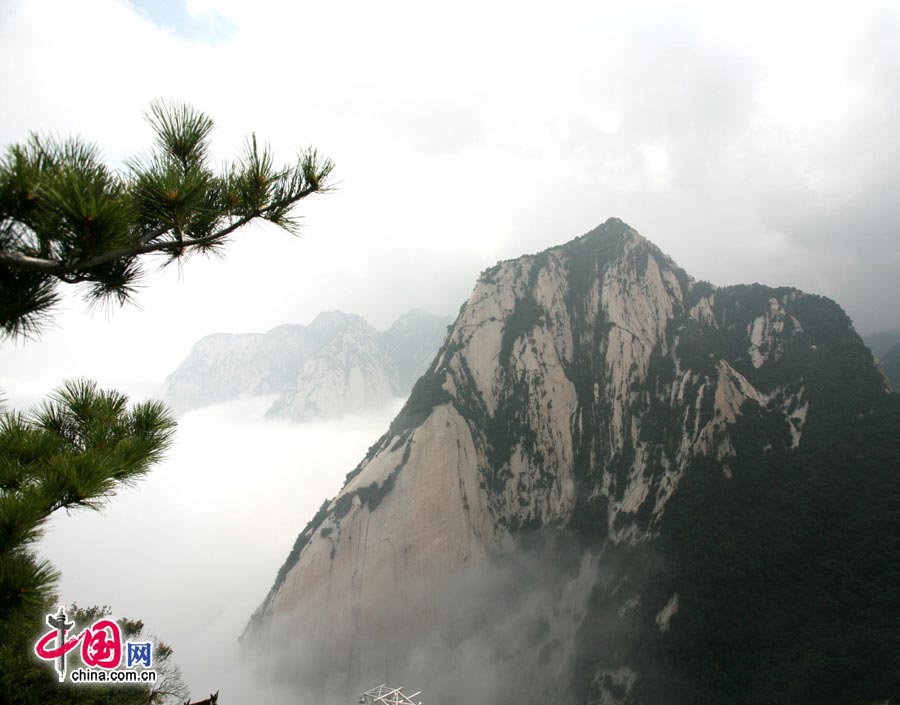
point(757, 143)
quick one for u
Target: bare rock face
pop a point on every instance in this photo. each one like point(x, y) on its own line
point(338, 364)
point(350, 371)
point(222, 367)
point(576, 392)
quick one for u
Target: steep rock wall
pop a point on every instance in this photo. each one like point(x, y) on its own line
point(574, 393)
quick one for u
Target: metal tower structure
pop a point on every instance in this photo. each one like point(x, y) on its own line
point(385, 695)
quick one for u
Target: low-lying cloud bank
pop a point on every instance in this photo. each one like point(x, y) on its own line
point(549, 621)
point(194, 548)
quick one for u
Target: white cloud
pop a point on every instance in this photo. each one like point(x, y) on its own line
point(477, 131)
point(195, 547)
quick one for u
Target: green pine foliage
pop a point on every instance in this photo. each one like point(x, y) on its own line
point(75, 450)
point(787, 572)
point(67, 217)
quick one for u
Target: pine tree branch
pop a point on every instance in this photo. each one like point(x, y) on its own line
point(152, 235)
point(144, 246)
point(66, 217)
point(33, 264)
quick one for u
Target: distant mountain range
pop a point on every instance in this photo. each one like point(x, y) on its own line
point(885, 346)
point(880, 343)
point(890, 363)
point(338, 364)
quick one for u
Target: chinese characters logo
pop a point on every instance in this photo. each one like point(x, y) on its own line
point(101, 645)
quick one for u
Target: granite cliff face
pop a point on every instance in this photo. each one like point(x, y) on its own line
point(591, 410)
point(336, 365)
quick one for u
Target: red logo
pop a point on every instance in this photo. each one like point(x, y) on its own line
point(101, 643)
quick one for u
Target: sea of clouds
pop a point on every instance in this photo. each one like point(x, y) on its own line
point(194, 548)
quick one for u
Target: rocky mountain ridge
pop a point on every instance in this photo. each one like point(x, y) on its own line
point(338, 364)
point(596, 410)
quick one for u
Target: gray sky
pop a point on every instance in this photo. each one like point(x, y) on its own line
point(755, 143)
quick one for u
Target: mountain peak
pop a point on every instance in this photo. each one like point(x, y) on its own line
point(329, 321)
point(611, 240)
point(614, 238)
point(595, 392)
point(612, 228)
point(416, 316)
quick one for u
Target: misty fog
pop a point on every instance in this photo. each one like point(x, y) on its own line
point(515, 628)
point(194, 548)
